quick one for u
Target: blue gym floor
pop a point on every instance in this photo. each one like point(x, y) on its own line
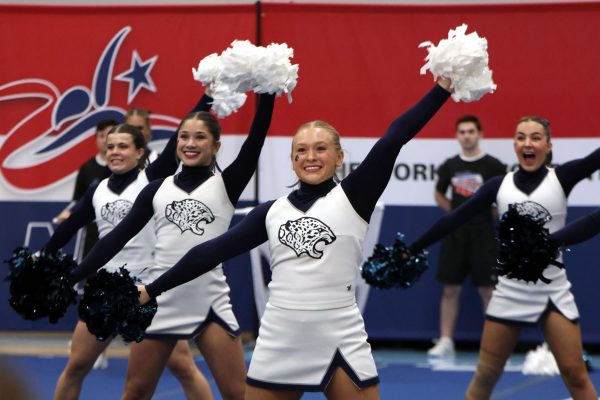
point(404, 375)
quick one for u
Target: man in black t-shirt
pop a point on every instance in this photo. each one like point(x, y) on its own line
point(471, 248)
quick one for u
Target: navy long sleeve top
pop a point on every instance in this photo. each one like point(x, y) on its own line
point(579, 230)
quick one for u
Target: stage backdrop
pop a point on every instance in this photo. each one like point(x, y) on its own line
point(66, 68)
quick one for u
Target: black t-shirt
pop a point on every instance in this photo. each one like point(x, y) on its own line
point(465, 177)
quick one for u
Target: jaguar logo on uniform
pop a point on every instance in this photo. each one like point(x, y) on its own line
point(303, 235)
point(534, 210)
point(188, 214)
point(115, 211)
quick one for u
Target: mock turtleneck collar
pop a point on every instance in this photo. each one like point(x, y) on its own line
point(191, 177)
point(304, 197)
point(194, 173)
point(318, 189)
point(119, 182)
point(526, 181)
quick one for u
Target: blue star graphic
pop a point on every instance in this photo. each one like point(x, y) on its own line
point(138, 76)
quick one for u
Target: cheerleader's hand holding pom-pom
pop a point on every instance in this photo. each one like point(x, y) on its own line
point(110, 306)
point(464, 59)
point(525, 246)
point(40, 284)
point(244, 67)
point(144, 296)
point(394, 266)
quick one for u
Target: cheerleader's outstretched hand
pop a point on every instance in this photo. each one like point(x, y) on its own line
point(144, 297)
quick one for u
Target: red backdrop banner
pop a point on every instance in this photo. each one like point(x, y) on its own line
point(65, 68)
point(359, 65)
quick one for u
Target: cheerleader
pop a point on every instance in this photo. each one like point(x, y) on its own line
point(542, 191)
point(187, 209)
point(312, 336)
point(107, 202)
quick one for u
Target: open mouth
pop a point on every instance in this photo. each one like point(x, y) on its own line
point(528, 155)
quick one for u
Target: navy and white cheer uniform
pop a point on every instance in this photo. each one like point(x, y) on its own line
point(311, 325)
point(541, 192)
point(110, 208)
point(184, 220)
point(517, 300)
point(187, 209)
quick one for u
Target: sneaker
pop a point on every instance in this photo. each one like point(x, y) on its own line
point(444, 347)
point(101, 362)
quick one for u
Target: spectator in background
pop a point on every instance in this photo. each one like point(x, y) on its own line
point(140, 118)
point(471, 248)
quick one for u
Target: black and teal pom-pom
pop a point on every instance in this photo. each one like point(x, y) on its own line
point(110, 307)
point(393, 266)
point(525, 247)
point(40, 285)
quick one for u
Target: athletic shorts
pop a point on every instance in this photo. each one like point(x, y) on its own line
point(469, 250)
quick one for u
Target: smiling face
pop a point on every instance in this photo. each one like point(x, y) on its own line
point(315, 154)
point(196, 146)
point(531, 145)
point(121, 154)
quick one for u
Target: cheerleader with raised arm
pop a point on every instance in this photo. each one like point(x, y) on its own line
point(106, 203)
point(541, 191)
point(186, 209)
point(312, 336)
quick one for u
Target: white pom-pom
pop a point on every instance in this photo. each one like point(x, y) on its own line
point(273, 71)
point(238, 61)
point(464, 59)
point(244, 67)
point(540, 362)
point(226, 101)
point(208, 70)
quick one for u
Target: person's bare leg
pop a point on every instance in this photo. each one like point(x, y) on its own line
point(147, 361)
point(182, 365)
point(497, 343)
point(225, 358)
point(564, 340)
point(449, 308)
point(85, 349)
point(254, 393)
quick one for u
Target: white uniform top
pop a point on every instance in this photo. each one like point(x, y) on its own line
point(110, 209)
point(522, 301)
point(184, 220)
point(547, 199)
point(315, 254)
